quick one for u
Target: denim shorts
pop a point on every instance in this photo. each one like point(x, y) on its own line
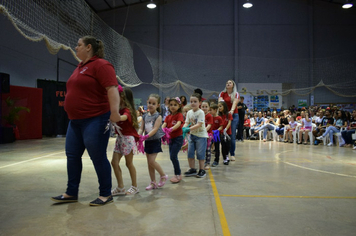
point(153, 146)
point(197, 144)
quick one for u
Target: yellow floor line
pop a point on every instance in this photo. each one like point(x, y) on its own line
point(223, 222)
point(266, 196)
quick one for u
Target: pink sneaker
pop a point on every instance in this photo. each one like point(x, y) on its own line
point(162, 181)
point(152, 185)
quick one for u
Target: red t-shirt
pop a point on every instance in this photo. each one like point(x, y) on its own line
point(171, 120)
point(217, 122)
point(227, 99)
point(86, 94)
point(209, 121)
point(127, 126)
point(225, 122)
point(247, 123)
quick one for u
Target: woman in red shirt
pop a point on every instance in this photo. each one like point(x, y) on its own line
point(91, 100)
point(231, 97)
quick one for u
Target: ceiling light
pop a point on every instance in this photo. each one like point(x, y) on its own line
point(247, 4)
point(347, 5)
point(151, 5)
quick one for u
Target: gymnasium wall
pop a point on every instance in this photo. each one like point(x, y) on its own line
point(259, 40)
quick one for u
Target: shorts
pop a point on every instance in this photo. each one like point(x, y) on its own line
point(153, 146)
point(306, 128)
point(197, 144)
point(124, 145)
point(290, 129)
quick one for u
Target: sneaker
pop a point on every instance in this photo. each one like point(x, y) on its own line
point(151, 186)
point(162, 181)
point(320, 138)
point(176, 179)
point(330, 144)
point(316, 142)
point(201, 174)
point(354, 148)
point(118, 191)
point(215, 164)
point(226, 162)
point(191, 172)
point(207, 167)
point(132, 190)
point(232, 158)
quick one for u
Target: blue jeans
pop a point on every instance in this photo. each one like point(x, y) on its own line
point(174, 147)
point(197, 144)
point(266, 128)
point(347, 135)
point(234, 124)
point(280, 131)
point(331, 130)
point(88, 134)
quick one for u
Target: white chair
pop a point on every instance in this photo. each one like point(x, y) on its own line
point(310, 133)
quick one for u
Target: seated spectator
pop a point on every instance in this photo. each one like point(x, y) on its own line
point(283, 122)
point(338, 124)
point(291, 128)
point(347, 134)
point(259, 122)
point(270, 124)
point(247, 126)
point(325, 122)
point(306, 127)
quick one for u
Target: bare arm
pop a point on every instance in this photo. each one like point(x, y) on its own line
point(176, 126)
point(114, 101)
point(156, 126)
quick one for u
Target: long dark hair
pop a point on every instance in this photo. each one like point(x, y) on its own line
point(127, 98)
point(225, 112)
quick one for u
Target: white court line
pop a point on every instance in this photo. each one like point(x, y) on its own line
point(31, 159)
point(307, 168)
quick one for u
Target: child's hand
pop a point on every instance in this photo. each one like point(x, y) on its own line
point(144, 137)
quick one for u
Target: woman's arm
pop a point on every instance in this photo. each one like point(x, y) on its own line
point(114, 101)
point(234, 104)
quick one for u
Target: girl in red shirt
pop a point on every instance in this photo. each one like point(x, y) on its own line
point(174, 122)
point(125, 145)
point(208, 125)
point(216, 127)
point(225, 136)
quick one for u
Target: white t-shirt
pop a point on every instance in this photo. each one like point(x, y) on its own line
point(195, 117)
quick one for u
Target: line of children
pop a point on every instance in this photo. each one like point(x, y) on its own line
point(198, 122)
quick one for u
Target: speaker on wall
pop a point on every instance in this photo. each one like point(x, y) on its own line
point(5, 83)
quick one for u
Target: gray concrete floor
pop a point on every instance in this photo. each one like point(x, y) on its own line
point(271, 189)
